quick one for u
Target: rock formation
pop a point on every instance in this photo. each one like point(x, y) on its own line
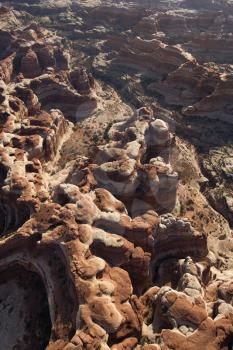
point(216, 105)
point(135, 163)
point(40, 63)
point(115, 219)
point(218, 167)
point(188, 84)
point(153, 57)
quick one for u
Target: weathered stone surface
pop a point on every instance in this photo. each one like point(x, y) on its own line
point(217, 105)
point(188, 84)
point(152, 57)
point(132, 163)
point(115, 230)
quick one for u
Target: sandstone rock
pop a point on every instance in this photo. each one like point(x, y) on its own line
point(81, 81)
point(218, 167)
point(152, 57)
point(121, 169)
point(169, 230)
point(216, 105)
point(188, 84)
point(53, 92)
point(116, 248)
point(30, 65)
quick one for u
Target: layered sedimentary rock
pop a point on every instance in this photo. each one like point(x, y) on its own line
point(218, 167)
point(216, 105)
point(97, 246)
point(8, 18)
point(212, 46)
point(55, 91)
point(69, 273)
point(176, 237)
point(30, 135)
point(188, 84)
point(114, 14)
point(203, 90)
point(114, 245)
point(42, 64)
point(100, 295)
point(37, 140)
point(134, 165)
point(151, 57)
point(184, 315)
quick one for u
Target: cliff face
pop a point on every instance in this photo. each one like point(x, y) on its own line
point(116, 175)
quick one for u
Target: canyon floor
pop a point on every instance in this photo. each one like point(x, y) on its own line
point(116, 175)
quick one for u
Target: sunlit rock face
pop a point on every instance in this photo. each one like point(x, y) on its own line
point(115, 175)
point(153, 58)
point(37, 58)
point(135, 163)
